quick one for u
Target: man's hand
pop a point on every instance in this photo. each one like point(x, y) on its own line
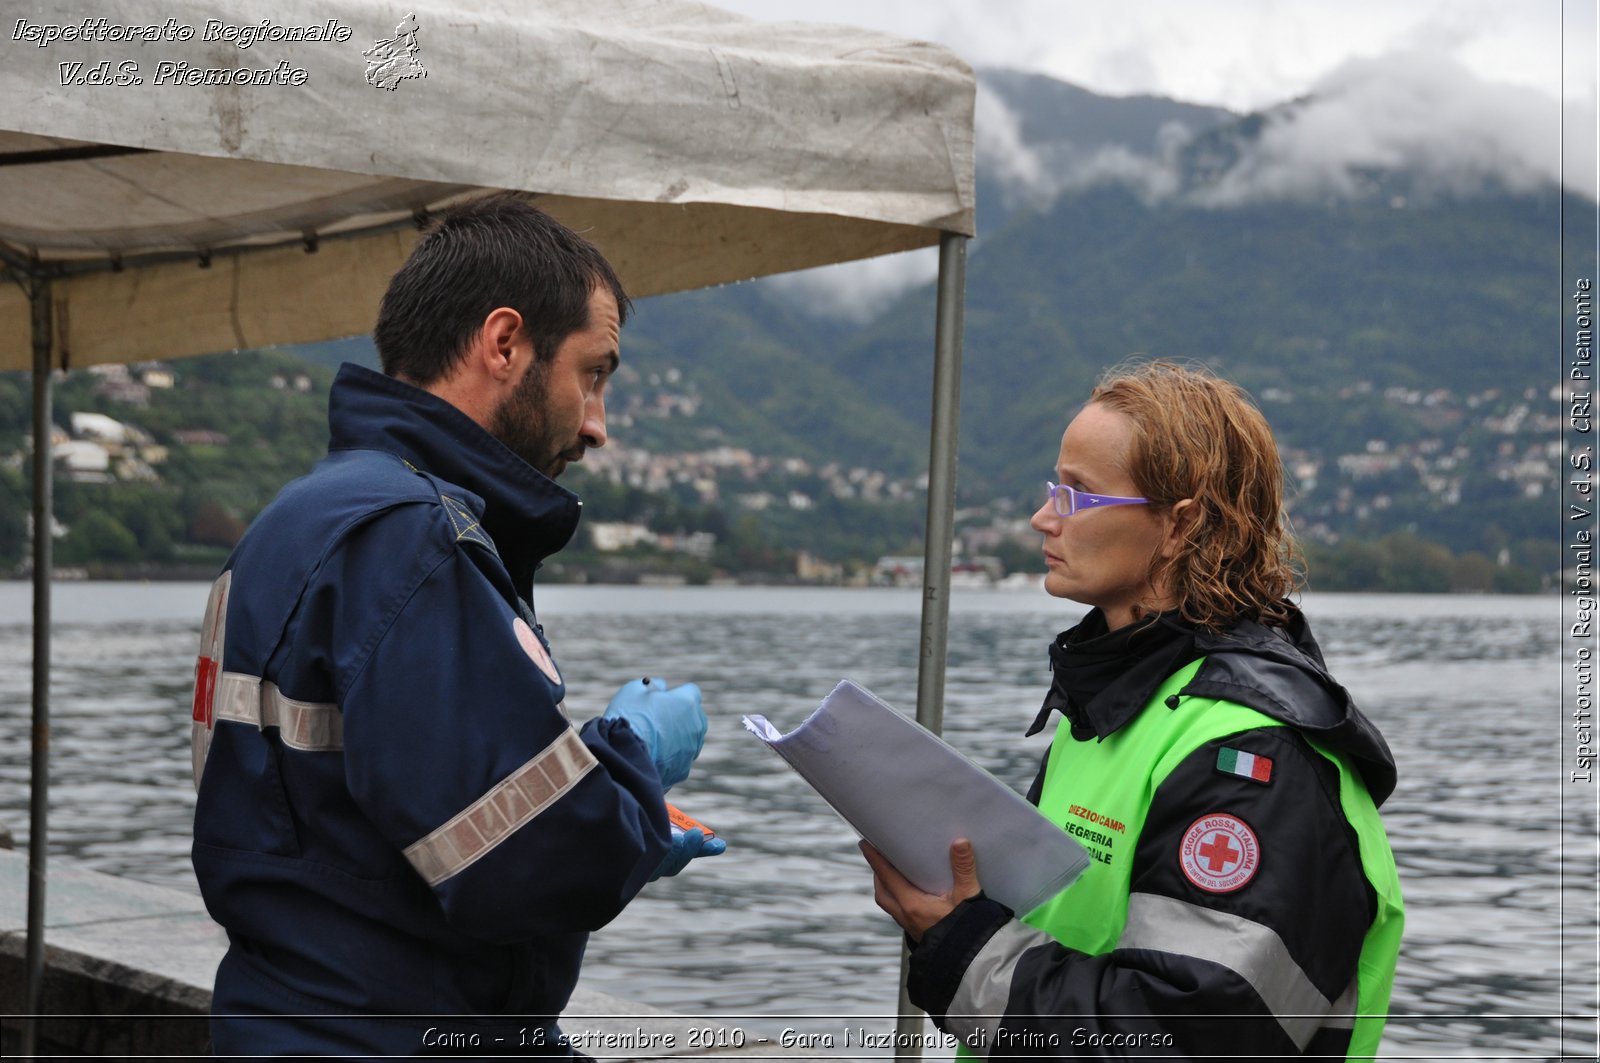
point(913, 909)
point(687, 845)
point(669, 722)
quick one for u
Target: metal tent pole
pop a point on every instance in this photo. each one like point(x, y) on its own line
point(43, 523)
point(937, 545)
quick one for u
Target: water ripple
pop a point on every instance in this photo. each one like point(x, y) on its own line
point(1497, 860)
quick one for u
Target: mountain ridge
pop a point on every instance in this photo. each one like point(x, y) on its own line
point(1386, 324)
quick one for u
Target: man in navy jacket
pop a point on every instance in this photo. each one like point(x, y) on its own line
point(405, 836)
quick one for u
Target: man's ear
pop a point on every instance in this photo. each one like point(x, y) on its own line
point(491, 366)
point(1181, 519)
point(500, 345)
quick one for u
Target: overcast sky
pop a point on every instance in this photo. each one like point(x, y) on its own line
point(1454, 90)
point(1243, 54)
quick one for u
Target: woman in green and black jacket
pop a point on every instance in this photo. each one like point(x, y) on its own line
point(1242, 899)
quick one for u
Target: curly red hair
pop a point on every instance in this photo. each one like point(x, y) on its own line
point(1199, 437)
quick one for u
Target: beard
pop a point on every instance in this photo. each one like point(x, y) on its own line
point(522, 423)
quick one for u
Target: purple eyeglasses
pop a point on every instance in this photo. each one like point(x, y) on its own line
point(1067, 501)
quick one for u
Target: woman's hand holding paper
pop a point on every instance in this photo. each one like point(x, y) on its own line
point(909, 906)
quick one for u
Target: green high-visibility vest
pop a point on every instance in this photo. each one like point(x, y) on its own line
point(1104, 789)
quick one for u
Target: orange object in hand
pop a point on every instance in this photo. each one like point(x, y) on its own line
point(686, 822)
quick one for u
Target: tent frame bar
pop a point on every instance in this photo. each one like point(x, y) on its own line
point(39, 784)
point(16, 262)
point(943, 436)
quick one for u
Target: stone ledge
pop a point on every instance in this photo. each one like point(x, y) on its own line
point(128, 965)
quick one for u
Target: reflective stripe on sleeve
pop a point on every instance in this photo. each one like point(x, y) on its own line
point(1344, 1009)
point(512, 802)
point(980, 1001)
point(316, 727)
point(1252, 951)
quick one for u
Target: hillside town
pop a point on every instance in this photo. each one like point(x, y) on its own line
point(1451, 442)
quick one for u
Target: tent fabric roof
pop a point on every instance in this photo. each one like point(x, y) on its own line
point(695, 147)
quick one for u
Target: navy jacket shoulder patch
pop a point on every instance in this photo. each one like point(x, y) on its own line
point(466, 524)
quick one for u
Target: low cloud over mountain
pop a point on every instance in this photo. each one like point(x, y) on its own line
point(1407, 128)
point(1427, 117)
point(1413, 115)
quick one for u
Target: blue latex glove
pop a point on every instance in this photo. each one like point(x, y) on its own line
point(669, 722)
point(687, 845)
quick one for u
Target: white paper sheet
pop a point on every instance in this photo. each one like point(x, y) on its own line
point(910, 794)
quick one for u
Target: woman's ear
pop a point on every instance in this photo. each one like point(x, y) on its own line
point(1181, 519)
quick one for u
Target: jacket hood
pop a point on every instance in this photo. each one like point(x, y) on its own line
point(1280, 673)
point(527, 514)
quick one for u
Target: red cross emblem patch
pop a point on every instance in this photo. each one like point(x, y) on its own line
point(213, 635)
point(535, 649)
point(209, 662)
point(205, 692)
point(1219, 853)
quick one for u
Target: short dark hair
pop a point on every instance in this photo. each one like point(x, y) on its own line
point(499, 250)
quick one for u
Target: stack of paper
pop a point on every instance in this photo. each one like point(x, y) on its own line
point(910, 794)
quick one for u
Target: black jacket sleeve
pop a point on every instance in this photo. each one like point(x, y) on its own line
point(1206, 965)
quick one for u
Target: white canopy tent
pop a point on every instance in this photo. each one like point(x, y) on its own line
point(695, 147)
point(179, 178)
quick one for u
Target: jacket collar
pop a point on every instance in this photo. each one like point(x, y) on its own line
point(1279, 672)
point(1101, 679)
point(527, 514)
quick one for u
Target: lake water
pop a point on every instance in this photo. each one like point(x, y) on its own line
point(1497, 853)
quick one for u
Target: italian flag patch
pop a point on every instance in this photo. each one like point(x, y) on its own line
point(1245, 765)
